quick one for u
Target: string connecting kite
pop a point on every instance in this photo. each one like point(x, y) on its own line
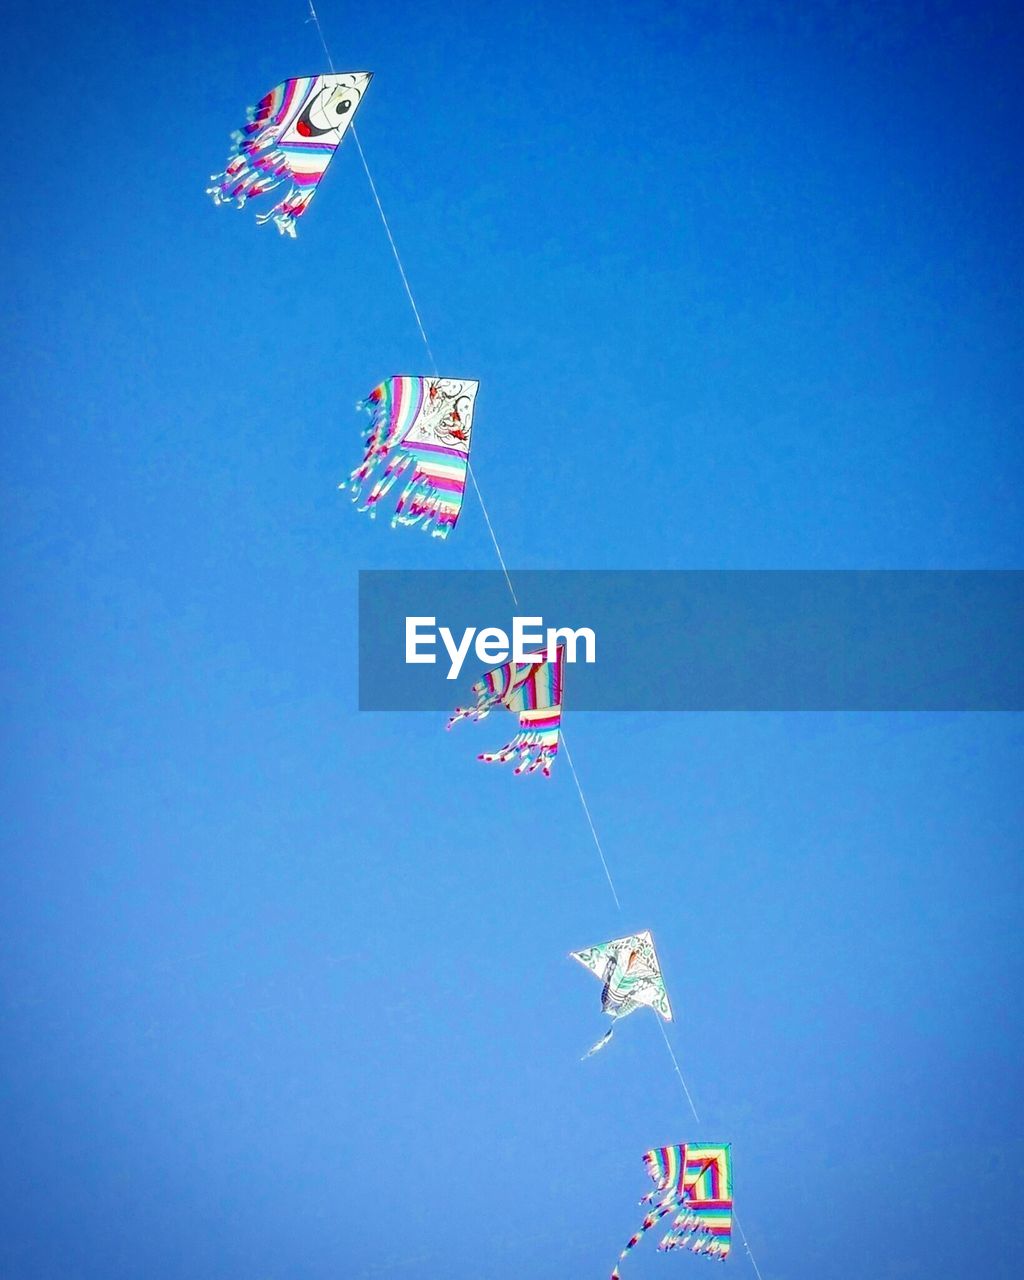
point(420, 431)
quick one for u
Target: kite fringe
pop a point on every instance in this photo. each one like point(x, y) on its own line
point(257, 166)
point(486, 700)
point(655, 1215)
point(426, 504)
point(534, 749)
point(597, 1047)
point(689, 1231)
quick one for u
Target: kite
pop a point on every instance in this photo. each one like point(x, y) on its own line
point(696, 1179)
point(533, 689)
point(424, 423)
point(291, 135)
point(629, 969)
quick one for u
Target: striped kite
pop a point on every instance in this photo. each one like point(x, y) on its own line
point(629, 969)
point(424, 423)
point(534, 690)
point(291, 136)
point(695, 1182)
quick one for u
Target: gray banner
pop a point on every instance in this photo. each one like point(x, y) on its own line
point(718, 640)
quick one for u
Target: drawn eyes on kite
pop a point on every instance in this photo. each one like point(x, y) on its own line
point(328, 111)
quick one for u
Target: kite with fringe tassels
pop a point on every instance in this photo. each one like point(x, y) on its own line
point(533, 689)
point(632, 979)
point(291, 136)
point(695, 1179)
point(425, 423)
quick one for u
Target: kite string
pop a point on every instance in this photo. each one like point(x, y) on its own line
point(315, 18)
point(501, 560)
point(593, 829)
point(430, 353)
point(494, 539)
point(746, 1246)
point(735, 1218)
point(394, 250)
point(675, 1064)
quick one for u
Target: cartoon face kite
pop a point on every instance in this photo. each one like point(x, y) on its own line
point(694, 1180)
point(534, 690)
point(424, 424)
point(632, 979)
point(291, 136)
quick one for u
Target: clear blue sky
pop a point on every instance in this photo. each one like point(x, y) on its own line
point(285, 988)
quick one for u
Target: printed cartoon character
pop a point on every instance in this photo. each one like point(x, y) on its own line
point(453, 428)
point(328, 110)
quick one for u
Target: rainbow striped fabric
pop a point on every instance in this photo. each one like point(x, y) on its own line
point(534, 690)
point(291, 134)
point(631, 974)
point(695, 1182)
point(421, 426)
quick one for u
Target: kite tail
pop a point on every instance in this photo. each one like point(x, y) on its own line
point(596, 1048)
point(257, 116)
point(257, 165)
point(377, 442)
point(485, 699)
point(255, 138)
point(692, 1229)
point(285, 212)
point(434, 494)
point(683, 1229)
point(536, 749)
point(240, 182)
point(384, 433)
point(390, 474)
point(254, 168)
point(655, 1215)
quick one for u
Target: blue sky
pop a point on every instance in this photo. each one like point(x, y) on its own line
point(285, 988)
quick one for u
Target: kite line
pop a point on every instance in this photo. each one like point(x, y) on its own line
point(419, 324)
point(597, 843)
point(391, 241)
point(315, 18)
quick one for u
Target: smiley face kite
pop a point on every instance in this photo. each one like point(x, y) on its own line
point(291, 136)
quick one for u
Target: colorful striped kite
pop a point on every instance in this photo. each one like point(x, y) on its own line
point(696, 1182)
point(425, 423)
point(291, 135)
point(534, 690)
point(631, 974)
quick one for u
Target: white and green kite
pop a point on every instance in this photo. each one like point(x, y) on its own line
point(632, 979)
